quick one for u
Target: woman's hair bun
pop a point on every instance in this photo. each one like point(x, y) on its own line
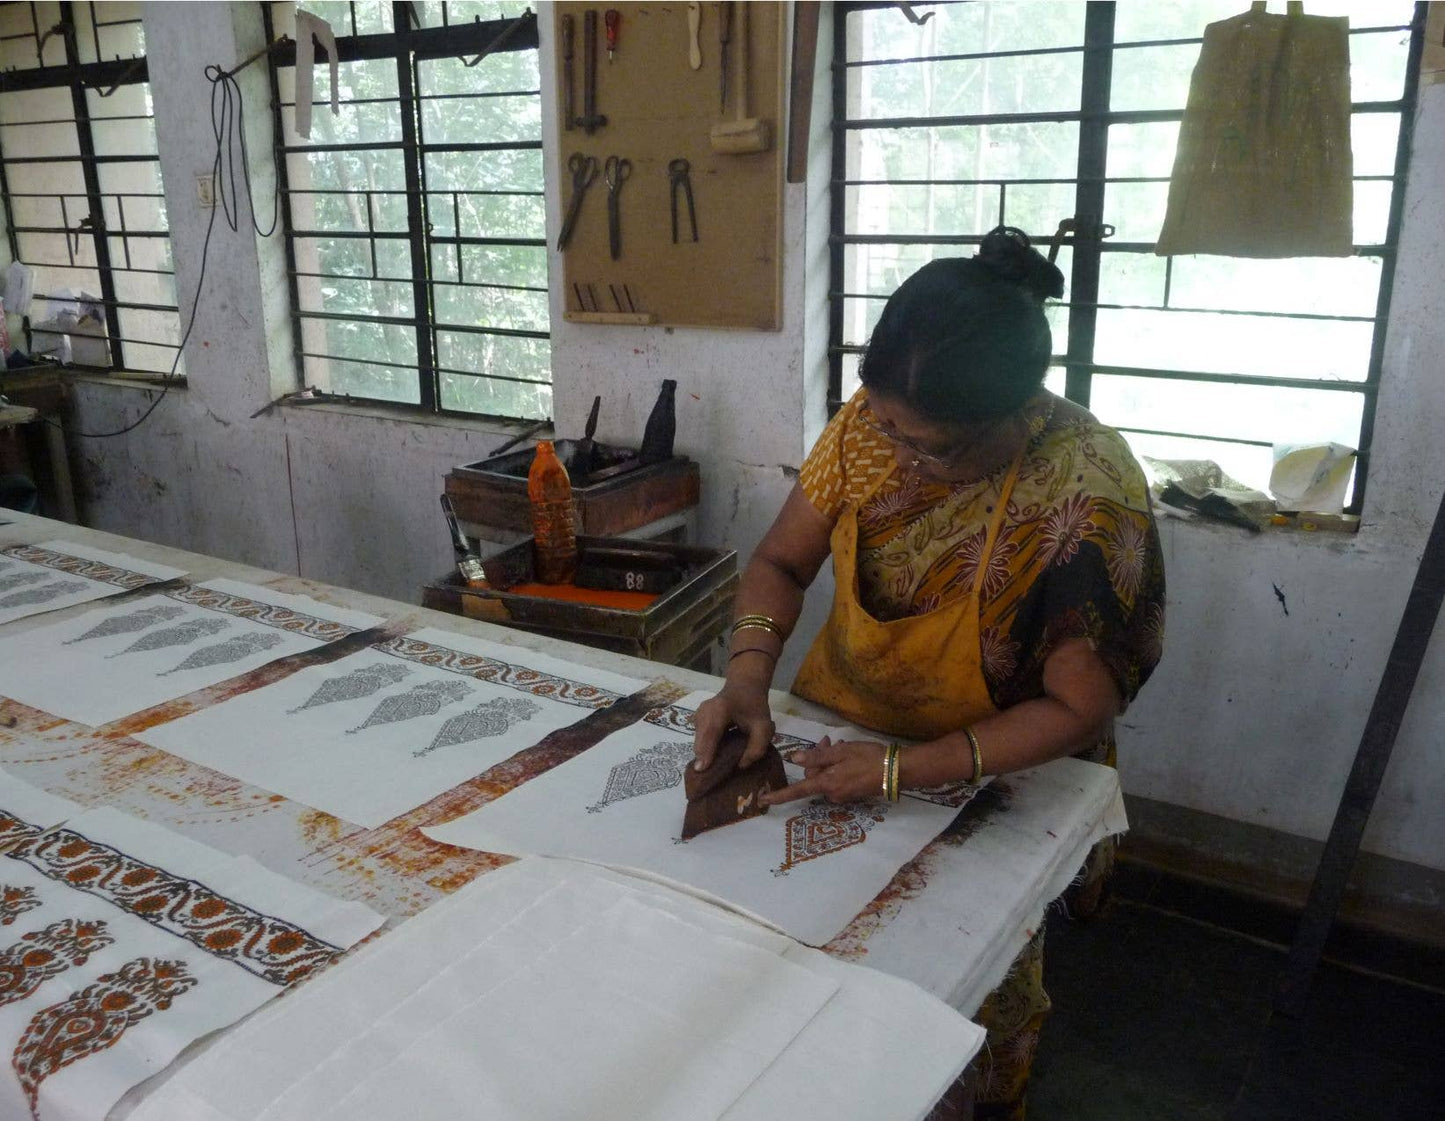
point(1007, 253)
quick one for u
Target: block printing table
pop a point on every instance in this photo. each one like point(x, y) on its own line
point(951, 920)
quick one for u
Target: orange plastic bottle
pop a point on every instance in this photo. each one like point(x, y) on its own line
point(550, 493)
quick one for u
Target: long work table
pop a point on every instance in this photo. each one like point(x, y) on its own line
point(951, 920)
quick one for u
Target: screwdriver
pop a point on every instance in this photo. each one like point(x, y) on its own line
point(612, 20)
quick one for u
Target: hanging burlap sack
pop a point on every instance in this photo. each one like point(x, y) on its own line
point(1264, 165)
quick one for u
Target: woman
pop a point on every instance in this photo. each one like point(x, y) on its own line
point(1000, 594)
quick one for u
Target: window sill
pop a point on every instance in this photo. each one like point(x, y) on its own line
point(134, 379)
point(495, 426)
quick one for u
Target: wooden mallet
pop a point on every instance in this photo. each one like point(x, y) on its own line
point(745, 134)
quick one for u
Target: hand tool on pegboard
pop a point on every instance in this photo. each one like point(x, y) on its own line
point(590, 120)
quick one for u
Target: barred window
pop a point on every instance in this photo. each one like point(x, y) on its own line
point(414, 218)
point(80, 176)
point(1002, 111)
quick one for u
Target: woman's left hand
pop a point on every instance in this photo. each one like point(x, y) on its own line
point(842, 771)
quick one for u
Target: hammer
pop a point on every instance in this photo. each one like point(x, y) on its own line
point(590, 120)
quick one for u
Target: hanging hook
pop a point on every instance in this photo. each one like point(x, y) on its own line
point(502, 36)
point(914, 17)
point(136, 64)
point(45, 38)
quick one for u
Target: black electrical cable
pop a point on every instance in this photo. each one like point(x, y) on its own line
point(228, 124)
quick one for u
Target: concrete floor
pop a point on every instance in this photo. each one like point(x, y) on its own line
point(1160, 1015)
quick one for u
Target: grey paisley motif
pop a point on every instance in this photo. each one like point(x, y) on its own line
point(133, 621)
point(43, 594)
point(659, 767)
point(483, 722)
point(223, 653)
point(361, 682)
point(426, 699)
point(20, 579)
point(178, 635)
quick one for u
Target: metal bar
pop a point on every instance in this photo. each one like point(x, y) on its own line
point(1075, 49)
point(83, 160)
point(399, 145)
point(501, 332)
point(1265, 380)
point(1062, 116)
point(52, 230)
point(402, 194)
point(1173, 309)
point(521, 242)
point(125, 72)
point(127, 305)
point(1392, 236)
point(1372, 757)
point(480, 95)
point(1016, 182)
point(838, 207)
point(491, 377)
point(416, 213)
point(92, 189)
point(124, 239)
point(283, 183)
point(1089, 196)
point(425, 44)
point(1196, 436)
point(94, 30)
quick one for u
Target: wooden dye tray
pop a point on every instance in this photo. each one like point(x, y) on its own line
point(679, 627)
point(493, 492)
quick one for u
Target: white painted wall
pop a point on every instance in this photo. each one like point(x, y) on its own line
point(1254, 714)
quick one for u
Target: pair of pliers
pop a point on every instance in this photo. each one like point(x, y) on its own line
point(678, 172)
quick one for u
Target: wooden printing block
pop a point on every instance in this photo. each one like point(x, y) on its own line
point(725, 793)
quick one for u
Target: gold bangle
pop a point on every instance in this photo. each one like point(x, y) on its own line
point(890, 773)
point(977, 757)
point(757, 625)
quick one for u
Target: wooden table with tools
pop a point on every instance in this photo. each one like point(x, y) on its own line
point(951, 920)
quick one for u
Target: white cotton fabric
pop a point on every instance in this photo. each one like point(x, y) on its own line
point(95, 680)
point(745, 865)
point(327, 757)
point(223, 993)
point(40, 576)
point(552, 990)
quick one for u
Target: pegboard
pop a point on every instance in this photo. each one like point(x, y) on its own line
point(659, 109)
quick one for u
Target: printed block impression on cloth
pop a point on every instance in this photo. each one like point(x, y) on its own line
point(387, 729)
point(126, 942)
point(56, 574)
point(115, 661)
point(807, 868)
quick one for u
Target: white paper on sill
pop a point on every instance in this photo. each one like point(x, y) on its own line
point(56, 574)
point(308, 25)
point(85, 670)
point(284, 1062)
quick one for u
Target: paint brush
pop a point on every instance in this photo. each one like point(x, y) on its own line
point(468, 563)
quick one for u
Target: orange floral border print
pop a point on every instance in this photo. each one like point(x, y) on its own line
point(80, 566)
point(267, 947)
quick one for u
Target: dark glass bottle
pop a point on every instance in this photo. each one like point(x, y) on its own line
point(661, 428)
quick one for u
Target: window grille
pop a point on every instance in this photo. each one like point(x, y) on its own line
point(1026, 113)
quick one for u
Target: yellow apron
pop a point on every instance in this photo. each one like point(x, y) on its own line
point(919, 677)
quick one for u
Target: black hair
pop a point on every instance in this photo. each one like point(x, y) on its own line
point(965, 338)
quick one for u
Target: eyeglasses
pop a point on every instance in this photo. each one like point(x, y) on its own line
point(946, 462)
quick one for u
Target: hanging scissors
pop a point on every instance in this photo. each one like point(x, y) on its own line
point(617, 169)
point(584, 173)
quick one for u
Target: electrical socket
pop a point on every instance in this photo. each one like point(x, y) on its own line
point(205, 191)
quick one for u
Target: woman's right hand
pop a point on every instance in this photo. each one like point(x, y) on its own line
point(742, 704)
